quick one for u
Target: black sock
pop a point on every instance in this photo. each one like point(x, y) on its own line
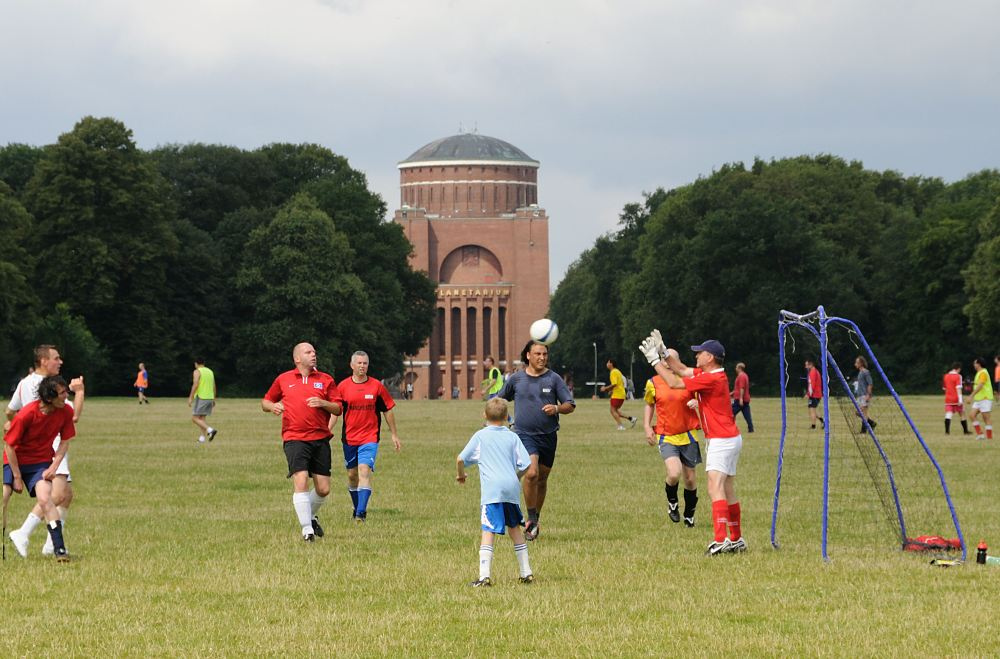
point(965, 426)
point(671, 491)
point(533, 515)
point(55, 530)
point(947, 426)
point(690, 502)
point(872, 423)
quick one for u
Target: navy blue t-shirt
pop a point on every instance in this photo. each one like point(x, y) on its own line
point(529, 394)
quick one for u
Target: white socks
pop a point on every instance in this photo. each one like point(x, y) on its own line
point(485, 561)
point(521, 552)
point(315, 501)
point(31, 523)
point(303, 510)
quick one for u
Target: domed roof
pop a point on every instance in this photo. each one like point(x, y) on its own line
point(469, 147)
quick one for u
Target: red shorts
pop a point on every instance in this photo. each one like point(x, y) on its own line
point(953, 407)
point(616, 403)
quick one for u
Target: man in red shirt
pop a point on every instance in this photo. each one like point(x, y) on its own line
point(814, 392)
point(29, 459)
point(708, 382)
point(365, 401)
point(952, 385)
point(741, 395)
point(305, 398)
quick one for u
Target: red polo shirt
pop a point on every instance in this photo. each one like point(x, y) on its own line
point(32, 433)
point(363, 403)
point(714, 408)
point(299, 421)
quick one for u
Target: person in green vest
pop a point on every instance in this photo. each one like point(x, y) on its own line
point(201, 400)
point(494, 379)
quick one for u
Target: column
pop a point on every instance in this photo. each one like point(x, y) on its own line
point(463, 392)
point(447, 379)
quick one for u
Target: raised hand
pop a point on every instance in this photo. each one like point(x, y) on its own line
point(650, 350)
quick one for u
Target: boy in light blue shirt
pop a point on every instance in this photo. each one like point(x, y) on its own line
point(502, 459)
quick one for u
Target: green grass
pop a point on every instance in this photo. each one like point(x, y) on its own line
point(187, 549)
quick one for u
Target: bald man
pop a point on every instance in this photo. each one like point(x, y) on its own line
point(305, 398)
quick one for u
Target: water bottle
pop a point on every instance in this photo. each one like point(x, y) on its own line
point(981, 553)
point(993, 560)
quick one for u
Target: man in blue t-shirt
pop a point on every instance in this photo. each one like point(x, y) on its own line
point(539, 396)
point(501, 458)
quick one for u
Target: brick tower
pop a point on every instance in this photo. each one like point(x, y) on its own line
point(469, 205)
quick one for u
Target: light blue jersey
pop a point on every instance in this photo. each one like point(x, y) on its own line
point(500, 455)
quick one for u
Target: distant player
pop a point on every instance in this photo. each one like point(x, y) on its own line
point(982, 399)
point(142, 383)
point(814, 393)
point(863, 387)
point(494, 379)
point(617, 388)
point(29, 460)
point(996, 375)
point(201, 400)
point(48, 362)
point(676, 435)
point(711, 387)
point(539, 396)
point(741, 395)
point(365, 401)
point(952, 385)
point(304, 398)
point(502, 459)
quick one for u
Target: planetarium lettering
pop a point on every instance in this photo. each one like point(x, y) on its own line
point(473, 292)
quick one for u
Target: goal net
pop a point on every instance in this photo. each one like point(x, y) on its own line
point(867, 475)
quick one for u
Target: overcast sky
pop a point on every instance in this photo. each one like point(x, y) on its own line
point(613, 97)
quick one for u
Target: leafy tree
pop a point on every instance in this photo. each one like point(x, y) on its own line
point(104, 238)
point(17, 299)
point(80, 350)
point(982, 283)
point(297, 281)
point(17, 165)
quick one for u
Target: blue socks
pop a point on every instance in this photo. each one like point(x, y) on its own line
point(364, 493)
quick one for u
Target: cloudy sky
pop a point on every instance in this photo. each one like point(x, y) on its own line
point(613, 97)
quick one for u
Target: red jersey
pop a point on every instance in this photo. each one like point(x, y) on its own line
point(673, 416)
point(299, 421)
point(363, 403)
point(952, 383)
point(742, 382)
point(32, 433)
point(815, 383)
point(714, 408)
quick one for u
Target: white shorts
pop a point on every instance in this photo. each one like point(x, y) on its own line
point(984, 406)
point(63, 469)
point(723, 453)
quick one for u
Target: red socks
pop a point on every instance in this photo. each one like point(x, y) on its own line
point(735, 533)
point(720, 517)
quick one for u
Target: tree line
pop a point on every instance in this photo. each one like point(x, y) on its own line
point(120, 255)
point(913, 260)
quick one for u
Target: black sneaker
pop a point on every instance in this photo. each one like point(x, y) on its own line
point(528, 579)
point(62, 556)
point(672, 512)
point(211, 435)
point(530, 530)
point(360, 518)
point(689, 521)
point(631, 421)
point(309, 537)
point(317, 529)
point(485, 582)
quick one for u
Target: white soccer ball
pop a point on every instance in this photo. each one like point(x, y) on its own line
point(544, 331)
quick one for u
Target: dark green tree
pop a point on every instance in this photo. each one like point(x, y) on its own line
point(18, 301)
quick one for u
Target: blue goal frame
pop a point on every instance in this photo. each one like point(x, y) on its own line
point(817, 322)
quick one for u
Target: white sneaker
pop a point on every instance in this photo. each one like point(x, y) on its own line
point(738, 545)
point(717, 548)
point(621, 427)
point(20, 541)
point(48, 549)
point(201, 439)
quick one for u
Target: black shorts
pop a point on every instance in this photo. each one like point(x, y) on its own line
point(544, 446)
point(312, 456)
point(814, 402)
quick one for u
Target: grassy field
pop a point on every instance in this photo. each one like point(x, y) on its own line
point(187, 549)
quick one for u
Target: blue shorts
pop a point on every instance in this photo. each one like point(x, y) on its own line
point(496, 517)
point(544, 446)
point(364, 454)
point(30, 474)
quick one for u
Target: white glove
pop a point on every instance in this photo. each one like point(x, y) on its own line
point(660, 347)
point(649, 349)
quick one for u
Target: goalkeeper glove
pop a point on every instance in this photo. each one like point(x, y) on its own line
point(660, 347)
point(649, 349)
